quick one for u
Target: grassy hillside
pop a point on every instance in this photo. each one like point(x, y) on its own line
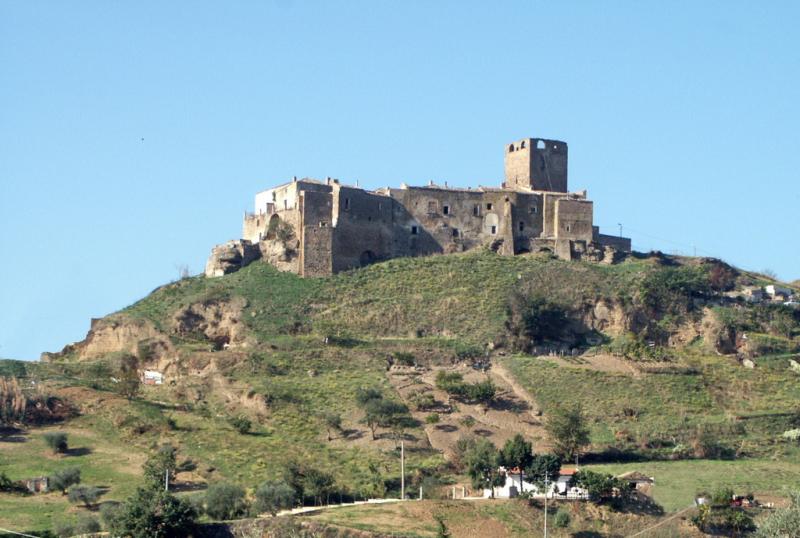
point(305, 346)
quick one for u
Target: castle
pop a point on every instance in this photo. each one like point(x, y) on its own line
point(317, 228)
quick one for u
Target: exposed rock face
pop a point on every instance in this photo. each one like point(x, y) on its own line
point(114, 334)
point(717, 336)
point(281, 254)
point(231, 256)
point(219, 321)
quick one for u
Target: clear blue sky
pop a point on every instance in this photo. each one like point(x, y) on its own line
point(681, 118)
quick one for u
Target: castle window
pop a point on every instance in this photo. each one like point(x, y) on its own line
point(431, 208)
point(540, 144)
point(521, 226)
point(534, 210)
point(522, 145)
point(346, 204)
point(489, 207)
point(494, 230)
point(446, 209)
point(414, 230)
point(322, 224)
point(476, 211)
point(286, 204)
point(260, 236)
point(569, 228)
point(511, 148)
point(380, 206)
point(455, 232)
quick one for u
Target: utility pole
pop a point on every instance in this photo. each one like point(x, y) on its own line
point(620, 229)
point(402, 472)
point(546, 477)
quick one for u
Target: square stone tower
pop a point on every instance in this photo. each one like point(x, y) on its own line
point(537, 164)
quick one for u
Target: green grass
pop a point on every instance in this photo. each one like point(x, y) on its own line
point(677, 482)
point(738, 404)
point(102, 463)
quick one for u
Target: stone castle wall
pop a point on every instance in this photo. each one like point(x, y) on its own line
point(339, 227)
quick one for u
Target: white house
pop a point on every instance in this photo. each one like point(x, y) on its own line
point(516, 484)
point(151, 377)
point(778, 292)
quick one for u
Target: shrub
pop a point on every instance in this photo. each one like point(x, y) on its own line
point(405, 358)
point(63, 479)
point(562, 519)
point(110, 512)
point(225, 501)
point(271, 497)
point(5, 483)
point(433, 418)
point(87, 524)
point(57, 441)
point(792, 435)
point(481, 392)
point(671, 290)
point(241, 424)
point(87, 495)
point(785, 522)
point(423, 401)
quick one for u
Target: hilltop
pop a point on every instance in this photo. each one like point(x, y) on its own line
point(654, 348)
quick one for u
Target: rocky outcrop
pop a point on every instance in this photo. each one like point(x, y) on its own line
point(231, 256)
point(281, 254)
point(218, 321)
point(118, 333)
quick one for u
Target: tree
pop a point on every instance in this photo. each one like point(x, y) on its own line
point(57, 441)
point(13, 403)
point(224, 501)
point(154, 513)
point(87, 495)
point(159, 464)
point(517, 452)
point(333, 422)
point(567, 428)
point(543, 466)
point(63, 479)
point(271, 497)
point(534, 318)
point(482, 463)
point(128, 383)
point(600, 486)
point(317, 484)
point(386, 414)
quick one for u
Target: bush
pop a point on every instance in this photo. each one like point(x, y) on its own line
point(6, 484)
point(423, 401)
point(562, 519)
point(87, 495)
point(57, 441)
point(241, 424)
point(87, 524)
point(433, 418)
point(271, 497)
point(225, 501)
point(405, 358)
point(63, 479)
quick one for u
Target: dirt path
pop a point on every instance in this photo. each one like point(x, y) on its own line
point(512, 412)
point(499, 370)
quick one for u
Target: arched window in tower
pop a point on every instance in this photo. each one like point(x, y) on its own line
point(540, 144)
point(522, 145)
point(511, 148)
